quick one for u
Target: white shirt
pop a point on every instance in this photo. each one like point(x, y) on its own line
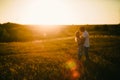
point(86, 36)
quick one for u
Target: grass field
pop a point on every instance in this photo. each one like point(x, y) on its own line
point(57, 60)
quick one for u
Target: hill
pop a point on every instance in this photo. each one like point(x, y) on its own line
point(12, 32)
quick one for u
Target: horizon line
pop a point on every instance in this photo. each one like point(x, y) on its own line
point(65, 24)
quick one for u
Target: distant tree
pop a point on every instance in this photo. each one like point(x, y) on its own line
point(4, 36)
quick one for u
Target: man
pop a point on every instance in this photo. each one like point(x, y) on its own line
point(84, 43)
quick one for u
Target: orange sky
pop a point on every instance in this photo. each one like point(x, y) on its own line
point(60, 11)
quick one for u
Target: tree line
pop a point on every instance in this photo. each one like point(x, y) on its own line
point(12, 32)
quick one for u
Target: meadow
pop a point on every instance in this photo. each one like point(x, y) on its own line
point(57, 60)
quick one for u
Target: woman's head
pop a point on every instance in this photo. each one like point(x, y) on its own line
point(77, 34)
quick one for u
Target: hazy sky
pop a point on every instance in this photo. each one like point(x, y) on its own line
point(60, 11)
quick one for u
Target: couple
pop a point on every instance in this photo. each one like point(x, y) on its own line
point(82, 39)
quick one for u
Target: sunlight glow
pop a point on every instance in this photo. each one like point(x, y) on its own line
point(55, 12)
point(45, 12)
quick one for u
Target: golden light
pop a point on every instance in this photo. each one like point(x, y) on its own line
point(51, 12)
point(44, 12)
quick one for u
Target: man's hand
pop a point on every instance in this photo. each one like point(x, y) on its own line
point(82, 40)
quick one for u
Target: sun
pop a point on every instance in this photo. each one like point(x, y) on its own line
point(45, 12)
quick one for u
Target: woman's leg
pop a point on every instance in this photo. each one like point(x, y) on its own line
point(80, 51)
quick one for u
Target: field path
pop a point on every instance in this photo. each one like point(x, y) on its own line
point(54, 39)
point(72, 37)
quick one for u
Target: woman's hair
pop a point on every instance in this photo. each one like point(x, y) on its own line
point(77, 34)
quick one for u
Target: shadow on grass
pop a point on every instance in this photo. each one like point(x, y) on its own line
point(96, 71)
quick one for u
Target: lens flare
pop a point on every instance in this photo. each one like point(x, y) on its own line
point(71, 65)
point(73, 68)
point(75, 74)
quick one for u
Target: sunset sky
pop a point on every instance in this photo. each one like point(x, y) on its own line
point(60, 11)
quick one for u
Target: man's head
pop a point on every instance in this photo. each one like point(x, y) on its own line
point(82, 28)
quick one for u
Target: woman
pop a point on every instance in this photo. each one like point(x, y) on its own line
point(79, 40)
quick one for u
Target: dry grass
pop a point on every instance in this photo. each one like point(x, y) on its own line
point(57, 60)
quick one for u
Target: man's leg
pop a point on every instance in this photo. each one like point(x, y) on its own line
point(86, 52)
